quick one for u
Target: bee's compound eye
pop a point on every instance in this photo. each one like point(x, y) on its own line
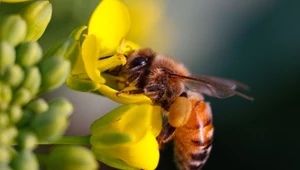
point(138, 62)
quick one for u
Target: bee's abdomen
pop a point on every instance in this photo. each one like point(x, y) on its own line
point(193, 140)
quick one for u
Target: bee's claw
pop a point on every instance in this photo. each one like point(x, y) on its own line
point(120, 92)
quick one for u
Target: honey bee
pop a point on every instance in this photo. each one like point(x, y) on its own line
point(169, 84)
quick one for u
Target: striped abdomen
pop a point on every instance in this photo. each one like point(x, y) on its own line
point(192, 142)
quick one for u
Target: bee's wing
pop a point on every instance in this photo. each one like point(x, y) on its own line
point(213, 86)
point(232, 84)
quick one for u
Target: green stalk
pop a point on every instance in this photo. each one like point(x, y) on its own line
point(69, 140)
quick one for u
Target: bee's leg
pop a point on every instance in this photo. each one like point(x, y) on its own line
point(158, 90)
point(134, 77)
point(180, 111)
point(113, 81)
point(148, 90)
point(134, 91)
point(166, 134)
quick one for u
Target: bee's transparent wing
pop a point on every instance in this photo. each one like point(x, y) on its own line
point(232, 84)
point(213, 86)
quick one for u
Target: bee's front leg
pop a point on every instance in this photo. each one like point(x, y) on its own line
point(148, 91)
point(133, 91)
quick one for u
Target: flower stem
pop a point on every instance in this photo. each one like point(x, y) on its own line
point(70, 140)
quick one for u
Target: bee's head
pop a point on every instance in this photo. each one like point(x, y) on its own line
point(140, 59)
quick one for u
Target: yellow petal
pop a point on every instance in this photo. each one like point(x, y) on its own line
point(126, 47)
point(111, 62)
point(150, 26)
point(128, 120)
point(90, 51)
point(152, 9)
point(110, 23)
point(140, 119)
point(156, 120)
point(144, 154)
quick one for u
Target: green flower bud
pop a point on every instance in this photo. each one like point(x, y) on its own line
point(29, 53)
point(54, 71)
point(49, 125)
point(4, 166)
point(71, 158)
point(32, 80)
point(74, 51)
point(38, 106)
point(81, 84)
point(69, 48)
point(15, 114)
point(7, 135)
point(59, 49)
point(13, 29)
point(21, 96)
point(5, 95)
point(37, 16)
point(5, 155)
point(3, 106)
point(62, 106)
point(27, 140)
point(25, 160)
point(4, 120)
point(7, 56)
point(26, 117)
point(14, 75)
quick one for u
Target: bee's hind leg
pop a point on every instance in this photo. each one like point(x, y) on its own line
point(166, 134)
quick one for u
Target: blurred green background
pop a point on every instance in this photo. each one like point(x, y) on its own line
point(256, 42)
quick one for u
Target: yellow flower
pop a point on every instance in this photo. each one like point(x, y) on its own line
point(103, 49)
point(108, 26)
point(125, 138)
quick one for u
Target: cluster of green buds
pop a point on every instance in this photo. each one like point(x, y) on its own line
point(26, 119)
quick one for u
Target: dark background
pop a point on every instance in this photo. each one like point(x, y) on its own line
point(256, 42)
point(263, 134)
